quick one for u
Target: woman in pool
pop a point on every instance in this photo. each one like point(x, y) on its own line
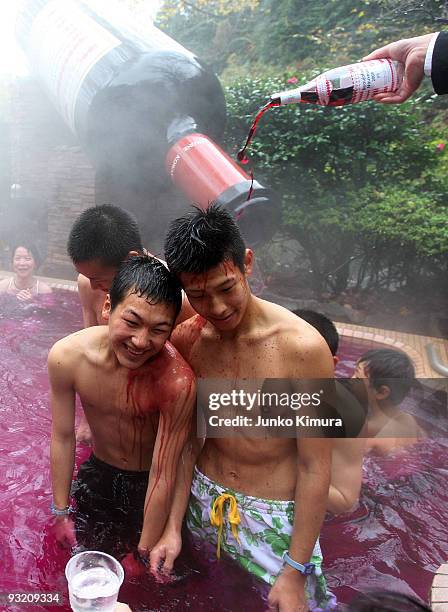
point(24, 285)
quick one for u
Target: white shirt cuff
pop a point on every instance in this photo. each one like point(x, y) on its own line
point(429, 52)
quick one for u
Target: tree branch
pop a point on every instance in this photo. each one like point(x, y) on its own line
point(193, 6)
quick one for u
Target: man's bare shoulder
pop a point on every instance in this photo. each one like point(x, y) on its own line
point(174, 378)
point(191, 323)
point(173, 367)
point(88, 296)
point(4, 284)
point(404, 425)
point(70, 348)
point(297, 337)
point(286, 323)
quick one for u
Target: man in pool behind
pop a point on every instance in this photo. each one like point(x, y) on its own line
point(277, 487)
point(389, 376)
point(138, 395)
point(348, 451)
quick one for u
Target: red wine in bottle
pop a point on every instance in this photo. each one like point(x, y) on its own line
point(337, 87)
point(346, 84)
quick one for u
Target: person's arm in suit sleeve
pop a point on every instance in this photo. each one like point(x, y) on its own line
point(427, 54)
point(436, 65)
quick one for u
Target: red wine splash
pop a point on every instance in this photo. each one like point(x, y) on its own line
point(241, 155)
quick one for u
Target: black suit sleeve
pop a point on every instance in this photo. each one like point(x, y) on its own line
point(439, 68)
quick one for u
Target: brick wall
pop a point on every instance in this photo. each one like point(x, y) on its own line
point(71, 184)
point(57, 180)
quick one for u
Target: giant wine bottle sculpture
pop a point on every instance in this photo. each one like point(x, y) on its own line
point(144, 108)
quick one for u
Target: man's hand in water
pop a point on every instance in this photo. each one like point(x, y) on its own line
point(165, 552)
point(64, 531)
point(411, 52)
point(288, 592)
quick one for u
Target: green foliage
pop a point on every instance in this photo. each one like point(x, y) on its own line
point(215, 30)
point(358, 174)
point(407, 216)
point(303, 29)
point(364, 182)
point(301, 33)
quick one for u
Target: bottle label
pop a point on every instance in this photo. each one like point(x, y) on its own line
point(64, 45)
point(346, 84)
point(364, 79)
point(324, 88)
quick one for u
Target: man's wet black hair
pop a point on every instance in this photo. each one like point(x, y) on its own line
point(104, 233)
point(147, 277)
point(391, 368)
point(387, 601)
point(203, 239)
point(30, 247)
point(324, 326)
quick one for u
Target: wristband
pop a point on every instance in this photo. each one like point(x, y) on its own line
point(306, 569)
point(60, 511)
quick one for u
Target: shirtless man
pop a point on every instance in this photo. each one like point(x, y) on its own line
point(101, 238)
point(348, 452)
point(138, 394)
point(389, 375)
point(236, 335)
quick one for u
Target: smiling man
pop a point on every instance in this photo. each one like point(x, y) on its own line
point(275, 489)
point(137, 393)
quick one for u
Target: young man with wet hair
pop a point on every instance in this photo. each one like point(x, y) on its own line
point(389, 376)
point(100, 240)
point(138, 394)
point(262, 499)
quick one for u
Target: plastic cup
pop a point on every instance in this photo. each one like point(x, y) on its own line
point(94, 579)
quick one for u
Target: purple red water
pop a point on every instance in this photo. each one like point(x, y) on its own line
point(399, 543)
point(399, 539)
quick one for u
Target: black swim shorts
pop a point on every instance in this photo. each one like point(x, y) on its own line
point(109, 506)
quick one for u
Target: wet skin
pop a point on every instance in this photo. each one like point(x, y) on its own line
point(388, 427)
point(137, 393)
point(237, 335)
point(234, 336)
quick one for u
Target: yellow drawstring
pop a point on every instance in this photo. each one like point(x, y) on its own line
point(217, 517)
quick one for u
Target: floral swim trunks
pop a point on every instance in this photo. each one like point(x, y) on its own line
point(254, 532)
